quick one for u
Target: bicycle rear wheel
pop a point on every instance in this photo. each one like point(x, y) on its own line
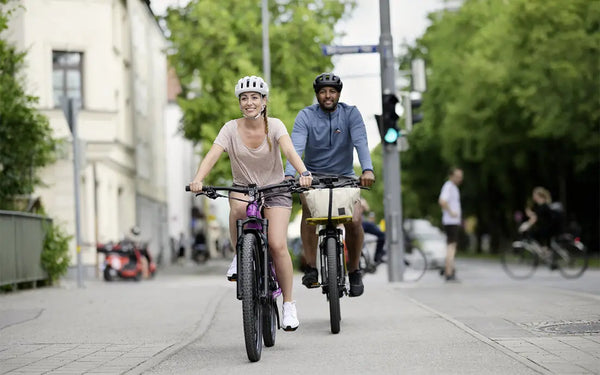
point(415, 264)
point(269, 323)
point(251, 307)
point(333, 294)
point(518, 261)
point(571, 259)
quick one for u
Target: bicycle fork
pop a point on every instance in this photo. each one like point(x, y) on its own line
point(335, 233)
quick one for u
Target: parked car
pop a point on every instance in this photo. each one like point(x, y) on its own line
point(428, 238)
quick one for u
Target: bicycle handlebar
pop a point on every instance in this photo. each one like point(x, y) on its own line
point(292, 185)
point(211, 191)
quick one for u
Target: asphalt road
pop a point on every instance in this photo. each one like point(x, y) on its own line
point(188, 321)
point(475, 326)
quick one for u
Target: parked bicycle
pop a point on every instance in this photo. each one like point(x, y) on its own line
point(257, 285)
point(415, 262)
point(331, 203)
point(565, 253)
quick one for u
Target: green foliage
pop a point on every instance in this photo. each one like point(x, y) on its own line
point(26, 142)
point(55, 255)
point(513, 99)
point(214, 44)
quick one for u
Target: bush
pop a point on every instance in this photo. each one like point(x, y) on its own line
point(55, 255)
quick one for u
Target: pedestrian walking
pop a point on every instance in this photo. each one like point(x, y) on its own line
point(449, 201)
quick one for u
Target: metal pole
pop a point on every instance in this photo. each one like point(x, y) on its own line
point(391, 156)
point(265, 42)
point(72, 120)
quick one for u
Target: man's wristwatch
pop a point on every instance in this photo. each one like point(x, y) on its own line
point(306, 173)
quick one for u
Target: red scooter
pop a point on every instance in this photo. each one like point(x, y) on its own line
point(126, 260)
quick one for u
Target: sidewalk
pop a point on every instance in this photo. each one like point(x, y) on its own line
point(484, 324)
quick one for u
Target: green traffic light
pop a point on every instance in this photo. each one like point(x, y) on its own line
point(391, 136)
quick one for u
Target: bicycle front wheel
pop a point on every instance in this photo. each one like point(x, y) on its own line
point(251, 307)
point(518, 261)
point(332, 285)
point(571, 259)
point(415, 264)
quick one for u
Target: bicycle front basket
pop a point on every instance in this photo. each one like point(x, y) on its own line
point(343, 201)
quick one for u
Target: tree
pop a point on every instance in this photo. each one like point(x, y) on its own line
point(513, 99)
point(216, 43)
point(26, 142)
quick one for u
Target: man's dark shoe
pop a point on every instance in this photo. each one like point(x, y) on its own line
point(452, 278)
point(311, 278)
point(356, 285)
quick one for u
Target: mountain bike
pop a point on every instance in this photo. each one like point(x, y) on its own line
point(565, 253)
point(331, 203)
point(415, 261)
point(257, 285)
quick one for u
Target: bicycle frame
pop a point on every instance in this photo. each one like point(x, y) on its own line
point(256, 288)
point(331, 250)
point(254, 223)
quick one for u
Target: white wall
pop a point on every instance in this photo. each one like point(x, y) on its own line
point(100, 29)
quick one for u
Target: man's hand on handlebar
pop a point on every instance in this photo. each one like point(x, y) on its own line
point(367, 179)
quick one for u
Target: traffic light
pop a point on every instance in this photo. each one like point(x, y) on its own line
point(412, 114)
point(388, 121)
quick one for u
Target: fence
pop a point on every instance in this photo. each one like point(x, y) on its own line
point(21, 244)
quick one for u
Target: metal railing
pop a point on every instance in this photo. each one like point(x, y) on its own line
point(21, 243)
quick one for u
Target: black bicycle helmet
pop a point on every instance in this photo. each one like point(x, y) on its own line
point(327, 80)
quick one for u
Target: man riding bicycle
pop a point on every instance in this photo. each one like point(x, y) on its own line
point(325, 135)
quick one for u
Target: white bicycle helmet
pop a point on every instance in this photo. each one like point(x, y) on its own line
point(251, 84)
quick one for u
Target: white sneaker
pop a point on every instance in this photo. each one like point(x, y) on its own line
point(290, 317)
point(232, 271)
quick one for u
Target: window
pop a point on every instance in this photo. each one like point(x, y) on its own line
point(67, 77)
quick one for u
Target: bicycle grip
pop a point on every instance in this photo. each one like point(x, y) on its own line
point(187, 188)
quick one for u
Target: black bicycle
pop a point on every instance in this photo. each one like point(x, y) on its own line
point(330, 206)
point(257, 285)
point(565, 253)
point(415, 261)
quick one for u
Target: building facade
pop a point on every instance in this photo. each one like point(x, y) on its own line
point(110, 57)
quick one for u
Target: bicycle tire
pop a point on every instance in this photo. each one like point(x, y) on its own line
point(333, 289)
point(366, 262)
point(518, 261)
point(269, 323)
point(366, 265)
point(251, 307)
point(572, 260)
point(415, 264)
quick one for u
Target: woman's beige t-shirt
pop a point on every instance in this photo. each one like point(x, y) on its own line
point(253, 165)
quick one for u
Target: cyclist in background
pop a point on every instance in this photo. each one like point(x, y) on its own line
point(541, 223)
point(326, 134)
point(254, 143)
point(370, 227)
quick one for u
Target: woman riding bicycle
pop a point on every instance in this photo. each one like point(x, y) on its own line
point(540, 223)
point(254, 143)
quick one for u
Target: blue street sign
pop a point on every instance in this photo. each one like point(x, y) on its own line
point(341, 50)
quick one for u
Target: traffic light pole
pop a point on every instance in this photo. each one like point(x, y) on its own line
point(391, 157)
